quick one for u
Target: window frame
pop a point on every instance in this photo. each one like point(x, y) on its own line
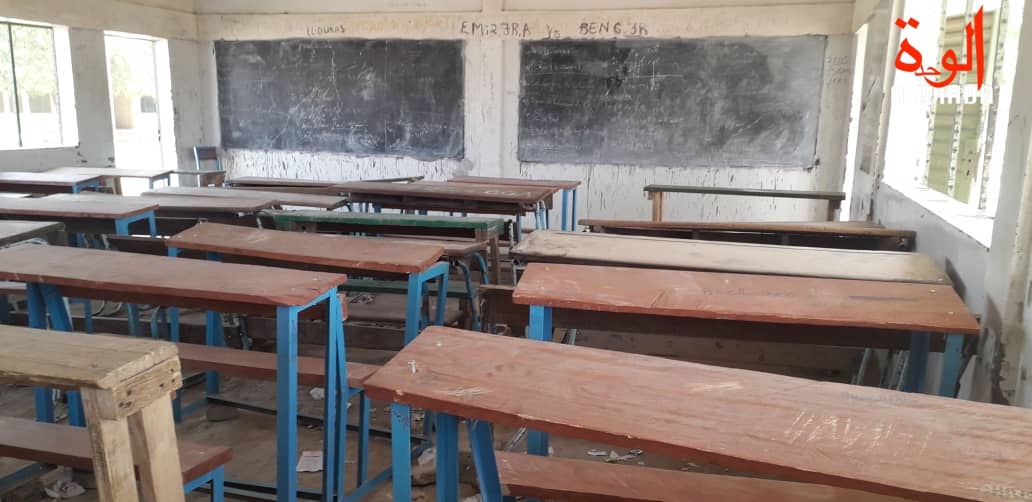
point(63, 89)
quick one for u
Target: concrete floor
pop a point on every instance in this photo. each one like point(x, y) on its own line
point(252, 436)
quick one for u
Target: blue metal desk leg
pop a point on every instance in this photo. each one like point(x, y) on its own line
point(332, 397)
point(573, 212)
point(540, 330)
point(917, 362)
point(447, 442)
point(401, 451)
point(339, 356)
point(286, 403)
point(481, 442)
point(413, 306)
point(38, 320)
point(566, 206)
point(951, 365)
point(60, 320)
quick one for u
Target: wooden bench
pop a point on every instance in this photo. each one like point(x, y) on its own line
point(570, 480)
point(680, 254)
point(12, 231)
point(46, 183)
point(115, 175)
point(280, 198)
point(884, 442)
point(655, 194)
point(53, 272)
point(67, 446)
point(846, 235)
point(569, 188)
point(909, 313)
point(83, 213)
point(124, 385)
point(456, 197)
point(485, 231)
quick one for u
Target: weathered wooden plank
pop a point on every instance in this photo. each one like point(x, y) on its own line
point(183, 280)
point(903, 445)
point(71, 360)
point(680, 254)
point(451, 191)
point(282, 198)
point(519, 182)
point(96, 206)
point(570, 480)
point(42, 183)
point(754, 192)
point(387, 220)
point(351, 253)
point(113, 172)
point(742, 297)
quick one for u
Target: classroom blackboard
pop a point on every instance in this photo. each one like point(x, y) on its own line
point(367, 97)
point(714, 102)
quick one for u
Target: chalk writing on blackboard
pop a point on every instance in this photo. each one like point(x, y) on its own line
point(613, 28)
point(329, 29)
point(510, 29)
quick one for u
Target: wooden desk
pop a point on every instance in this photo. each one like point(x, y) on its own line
point(12, 231)
point(569, 188)
point(53, 272)
point(680, 254)
point(885, 442)
point(280, 198)
point(83, 213)
point(125, 386)
point(481, 230)
point(655, 194)
point(314, 187)
point(358, 255)
point(885, 307)
point(46, 183)
point(455, 197)
point(115, 175)
point(845, 235)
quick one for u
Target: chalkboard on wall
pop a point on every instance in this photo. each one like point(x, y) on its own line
point(367, 97)
point(715, 102)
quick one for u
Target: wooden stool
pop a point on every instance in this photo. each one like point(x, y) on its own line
point(125, 385)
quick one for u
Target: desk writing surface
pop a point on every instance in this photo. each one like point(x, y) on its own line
point(12, 231)
point(44, 179)
point(281, 198)
point(77, 206)
point(831, 228)
point(520, 182)
point(191, 204)
point(355, 253)
point(756, 192)
point(387, 219)
point(139, 274)
point(112, 172)
point(882, 441)
point(744, 297)
point(75, 360)
point(450, 191)
point(682, 254)
point(278, 182)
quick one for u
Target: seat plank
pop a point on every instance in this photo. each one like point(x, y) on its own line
point(680, 254)
point(387, 220)
point(280, 198)
point(902, 445)
point(12, 231)
point(742, 297)
point(581, 481)
point(345, 252)
point(451, 191)
point(74, 361)
point(70, 447)
point(311, 371)
point(519, 182)
point(180, 281)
